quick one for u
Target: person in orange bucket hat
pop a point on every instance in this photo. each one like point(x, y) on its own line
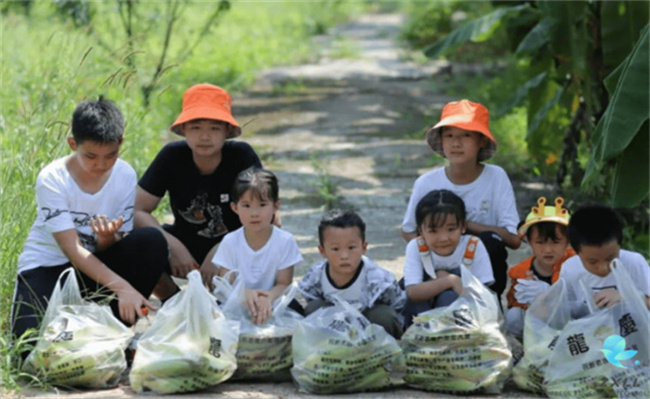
point(197, 173)
point(463, 137)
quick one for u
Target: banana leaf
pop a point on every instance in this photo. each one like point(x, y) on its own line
point(478, 30)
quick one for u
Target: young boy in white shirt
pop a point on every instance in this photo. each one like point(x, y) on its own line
point(84, 219)
point(349, 275)
point(596, 233)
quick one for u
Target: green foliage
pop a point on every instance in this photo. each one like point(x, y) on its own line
point(622, 131)
point(431, 21)
point(325, 186)
point(477, 31)
point(10, 355)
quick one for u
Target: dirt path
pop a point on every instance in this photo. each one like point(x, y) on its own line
point(358, 121)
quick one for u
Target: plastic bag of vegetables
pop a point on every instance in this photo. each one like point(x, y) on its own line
point(264, 351)
point(337, 350)
point(459, 348)
point(543, 323)
point(607, 353)
point(189, 346)
point(80, 343)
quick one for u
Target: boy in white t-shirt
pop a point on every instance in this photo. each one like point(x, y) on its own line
point(84, 219)
point(463, 137)
point(596, 233)
point(348, 274)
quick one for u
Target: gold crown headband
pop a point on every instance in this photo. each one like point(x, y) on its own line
point(541, 210)
point(542, 213)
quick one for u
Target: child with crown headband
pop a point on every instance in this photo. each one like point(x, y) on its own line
point(545, 229)
point(198, 173)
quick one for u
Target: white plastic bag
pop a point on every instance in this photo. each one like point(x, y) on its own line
point(337, 350)
point(222, 286)
point(189, 346)
point(80, 343)
point(578, 367)
point(459, 348)
point(544, 321)
point(264, 351)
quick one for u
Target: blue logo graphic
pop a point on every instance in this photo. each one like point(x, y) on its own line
point(614, 350)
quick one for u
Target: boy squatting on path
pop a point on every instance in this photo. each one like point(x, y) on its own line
point(348, 274)
point(596, 233)
point(463, 137)
point(198, 173)
point(545, 228)
point(84, 212)
point(434, 258)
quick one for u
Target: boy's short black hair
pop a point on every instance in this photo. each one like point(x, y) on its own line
point(547, 230)
point(594, 225)
point(342, 219)
point(100, 121)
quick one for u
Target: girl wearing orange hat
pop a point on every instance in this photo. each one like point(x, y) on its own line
point(463, 137)
point(198, 173)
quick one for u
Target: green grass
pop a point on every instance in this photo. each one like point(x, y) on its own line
point(49, 65)
point(325, 187)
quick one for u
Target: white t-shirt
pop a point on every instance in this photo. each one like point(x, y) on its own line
point(62, 205)
point(258, 268)
point(573, 271)
point(481, 266)
point(489, 199)
point(352, 292)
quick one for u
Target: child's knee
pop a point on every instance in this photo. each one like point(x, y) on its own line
point(386, 317)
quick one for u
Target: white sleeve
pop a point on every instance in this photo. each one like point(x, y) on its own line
point(408, 224)
point(291, 255)
point(640, 272)
point(128, 200)
point(52, 204)
point(224, 255)
point(482, 268)
point(507, 217)
point(570, 277)
point(413, 270)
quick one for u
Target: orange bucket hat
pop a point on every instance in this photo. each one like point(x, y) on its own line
point(206, 101)
point(467, 115)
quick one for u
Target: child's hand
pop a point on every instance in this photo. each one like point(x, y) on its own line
point(259, 303)
point(264, 309)
point(105, 230)
point(181, 261)
point(527, 290)
point(607, 298)
point(130, 304)
point(455, 283)
point(208, 270)
point(452, 281)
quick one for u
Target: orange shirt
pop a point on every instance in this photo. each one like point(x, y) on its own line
point(520, 270)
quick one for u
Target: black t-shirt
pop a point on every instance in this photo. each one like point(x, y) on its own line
point(200, 203)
